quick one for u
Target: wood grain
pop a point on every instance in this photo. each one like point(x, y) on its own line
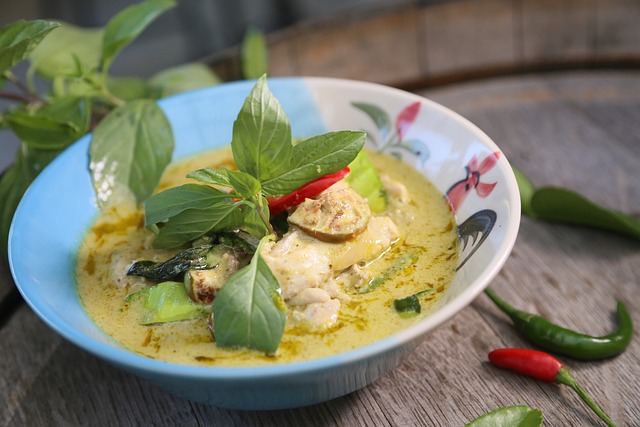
point(579, 130)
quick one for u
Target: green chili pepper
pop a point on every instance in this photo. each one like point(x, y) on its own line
point(557, 339)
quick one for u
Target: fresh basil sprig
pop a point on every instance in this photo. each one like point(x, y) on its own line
point(555, 204)
point(249, 310)
point(269, 165)
point(79, 94)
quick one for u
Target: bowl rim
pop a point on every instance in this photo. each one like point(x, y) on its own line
point(125, 358)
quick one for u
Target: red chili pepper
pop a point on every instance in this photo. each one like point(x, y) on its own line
point(543, 366)
point(309, 190)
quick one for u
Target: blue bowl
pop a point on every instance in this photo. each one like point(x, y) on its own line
point(59, 207)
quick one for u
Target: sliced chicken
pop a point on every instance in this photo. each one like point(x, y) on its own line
point(203, 285)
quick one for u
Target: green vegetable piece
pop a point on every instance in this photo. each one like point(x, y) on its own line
point(131, 147)
point(202, 257)
point(249, 310)
point(364, 179)
point(182, 78)
point(18, 39)
point(254, 54)
point(410, 306)
point(399, 264)
point(556, 204)
point(124, 27)
point(407, 307)
point(510, 416)
point(168, 302)
point(66, 51)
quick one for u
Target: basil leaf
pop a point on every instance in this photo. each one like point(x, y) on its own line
point(556, 204)
point(509, 416)
point(131, 88)
point(168, 302)
point(124, 27)
point(61, 52)
point(183, 78)
point(194, 223)
point(254, 54)
point(211, 176)
point(254, 223)
point(315, 157)
point(249, 310)
point(192, 258)
point(173, 201)
point(261, 141)
point(54, 126)
point(18, 39)
point(72, 86)
point(131, 147)
point(244, 184)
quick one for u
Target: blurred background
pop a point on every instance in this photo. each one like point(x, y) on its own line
point(411, 44)
point(194, 30)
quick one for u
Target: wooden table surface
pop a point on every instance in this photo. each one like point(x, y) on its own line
point(575, 129)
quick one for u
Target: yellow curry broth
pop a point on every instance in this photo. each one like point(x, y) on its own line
point(118, 237)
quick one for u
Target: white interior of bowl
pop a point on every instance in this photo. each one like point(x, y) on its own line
point(59, 207)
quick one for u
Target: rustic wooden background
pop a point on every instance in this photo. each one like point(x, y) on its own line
point(578, 128)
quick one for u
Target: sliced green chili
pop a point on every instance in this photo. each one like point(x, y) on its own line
point(557, 339)
point(402, 262)
point(410, 306)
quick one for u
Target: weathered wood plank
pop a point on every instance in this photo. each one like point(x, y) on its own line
point(469, 35)
point(557, 30)
point(617, 32)
point(377, 48)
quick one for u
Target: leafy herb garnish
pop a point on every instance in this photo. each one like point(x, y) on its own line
point(167, 302)
point(79, 93)
point(269, 165)
point(249, 310)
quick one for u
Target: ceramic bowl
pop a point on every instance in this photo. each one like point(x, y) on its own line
point(464, 164)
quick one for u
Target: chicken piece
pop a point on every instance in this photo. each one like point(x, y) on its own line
point(310, 296)
point(339, 213)
point(203, 285)
point(318, 315)
point(396, 191)
point(353, 278)
point(298, 262)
